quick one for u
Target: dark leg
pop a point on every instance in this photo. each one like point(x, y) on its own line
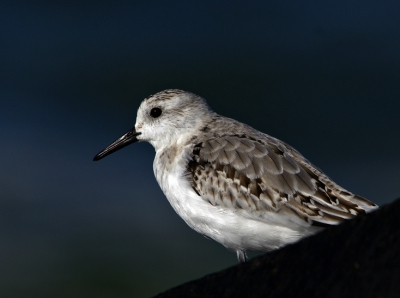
point(241, 255)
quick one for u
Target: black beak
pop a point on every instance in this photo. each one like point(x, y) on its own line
point(125, 140)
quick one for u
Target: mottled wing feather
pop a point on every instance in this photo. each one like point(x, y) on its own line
point(257, 176)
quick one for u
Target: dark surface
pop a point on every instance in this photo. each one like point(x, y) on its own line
point(359, 258)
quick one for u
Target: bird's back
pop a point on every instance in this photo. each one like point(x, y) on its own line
point(235, 166)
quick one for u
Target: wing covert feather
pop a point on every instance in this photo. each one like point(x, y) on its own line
point(257, 176)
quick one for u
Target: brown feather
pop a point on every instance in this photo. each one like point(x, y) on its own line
point(254, 175)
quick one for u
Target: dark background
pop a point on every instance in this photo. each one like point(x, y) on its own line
point(324, 77)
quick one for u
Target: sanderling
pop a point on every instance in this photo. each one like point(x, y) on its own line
point(243, 188)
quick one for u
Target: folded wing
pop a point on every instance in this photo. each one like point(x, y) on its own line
point(259, 176)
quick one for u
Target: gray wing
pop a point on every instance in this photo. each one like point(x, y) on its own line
point(258, 176)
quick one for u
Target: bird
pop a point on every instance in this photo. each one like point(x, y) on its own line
point(232, 183)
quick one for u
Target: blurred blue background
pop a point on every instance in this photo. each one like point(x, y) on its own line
point(324, 77)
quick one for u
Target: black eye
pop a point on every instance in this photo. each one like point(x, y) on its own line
point(155, 112)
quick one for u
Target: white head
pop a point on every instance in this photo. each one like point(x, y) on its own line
point(164, 118)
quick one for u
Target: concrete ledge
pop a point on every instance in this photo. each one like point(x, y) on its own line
point(359, 258)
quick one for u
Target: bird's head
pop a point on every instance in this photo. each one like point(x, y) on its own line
point(164, 118)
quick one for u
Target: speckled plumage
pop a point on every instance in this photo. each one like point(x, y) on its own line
point(236, 185)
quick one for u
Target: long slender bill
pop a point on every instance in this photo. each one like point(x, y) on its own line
point(125, 140)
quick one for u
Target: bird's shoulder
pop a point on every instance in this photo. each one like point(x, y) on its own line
point(232, 165)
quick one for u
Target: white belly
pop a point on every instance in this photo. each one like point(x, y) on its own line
point(226, 226)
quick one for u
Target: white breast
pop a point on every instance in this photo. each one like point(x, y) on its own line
point(226, 226)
